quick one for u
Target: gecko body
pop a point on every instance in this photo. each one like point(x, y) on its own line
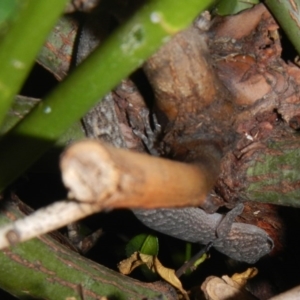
point(242, 242)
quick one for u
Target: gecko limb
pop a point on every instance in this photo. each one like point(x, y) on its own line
point(149, 136)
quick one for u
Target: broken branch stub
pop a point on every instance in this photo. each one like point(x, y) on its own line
point(116, 178)
point(182, 76)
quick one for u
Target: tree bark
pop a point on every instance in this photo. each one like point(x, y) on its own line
point(265, 171)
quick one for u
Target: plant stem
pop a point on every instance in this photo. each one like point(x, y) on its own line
point(287, 13)
point(21, 44)
point(45, 269)
point(21, 107)
point(125, 51)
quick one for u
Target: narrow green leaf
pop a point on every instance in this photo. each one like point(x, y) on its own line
point(21, 43)
point(232, 7)
point(122, 53)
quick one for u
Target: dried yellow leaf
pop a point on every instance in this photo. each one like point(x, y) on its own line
point(126, 266)
point(136, 259)
point(242, 278)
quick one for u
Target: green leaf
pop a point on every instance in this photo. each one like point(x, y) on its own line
point(232, 7)
point(144, 243)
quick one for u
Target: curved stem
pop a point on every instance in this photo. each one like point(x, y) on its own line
point(122, 53)
point(287, 13)
point(21, 44)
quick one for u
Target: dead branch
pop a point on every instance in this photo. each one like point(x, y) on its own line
point(117, 178)
point(102, 177)
point(190, 95)
point(43, 221)
point(182, 76)
point(293, 293)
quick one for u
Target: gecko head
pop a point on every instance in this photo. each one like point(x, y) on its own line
point(246, 243)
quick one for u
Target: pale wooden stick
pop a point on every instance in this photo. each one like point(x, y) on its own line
point(118, 178)
point(103, 177)
point(44, 220)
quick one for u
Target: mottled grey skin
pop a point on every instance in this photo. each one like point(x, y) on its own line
point(242, 242)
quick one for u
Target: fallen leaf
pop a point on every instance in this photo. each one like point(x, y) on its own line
point(127, 265)
point(151, 261)
point(242, 278)
point(216, 288)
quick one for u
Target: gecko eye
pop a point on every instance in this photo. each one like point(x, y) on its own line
point(278, 116)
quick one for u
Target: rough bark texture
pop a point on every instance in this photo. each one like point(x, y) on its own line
point(265, 171)
point(191, 98)
point(265, 92)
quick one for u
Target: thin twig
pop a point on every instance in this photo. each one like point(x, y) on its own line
point(189, 264)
